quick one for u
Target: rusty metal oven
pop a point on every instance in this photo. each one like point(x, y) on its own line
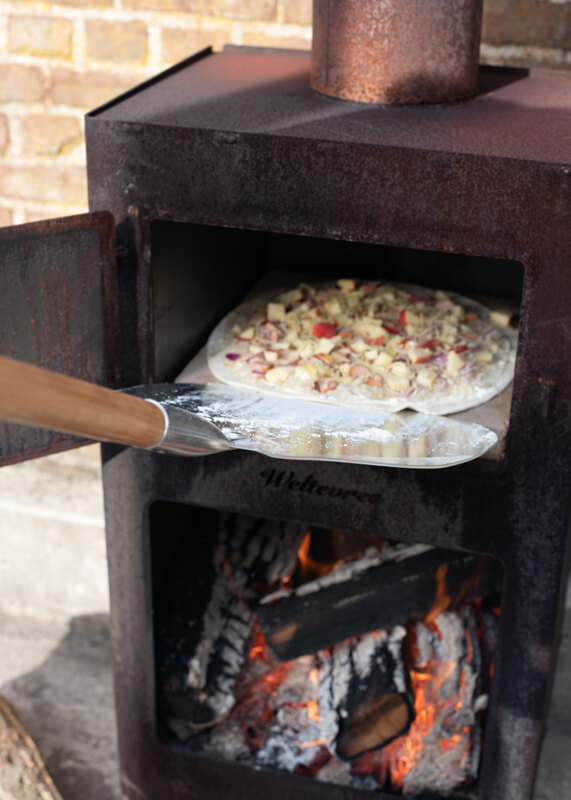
point(229, 166)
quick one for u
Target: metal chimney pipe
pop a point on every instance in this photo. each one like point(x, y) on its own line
point(396, 51)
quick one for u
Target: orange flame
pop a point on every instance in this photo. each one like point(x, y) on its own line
point(404, 753)
point(313, 710)
point(442, 598)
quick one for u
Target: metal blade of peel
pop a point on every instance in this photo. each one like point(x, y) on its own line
point(216, 417)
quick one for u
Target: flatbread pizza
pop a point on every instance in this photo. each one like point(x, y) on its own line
point(367, 344)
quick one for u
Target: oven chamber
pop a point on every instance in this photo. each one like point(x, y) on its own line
point(229, 166)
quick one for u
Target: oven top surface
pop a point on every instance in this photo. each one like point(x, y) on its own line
point(266, 92)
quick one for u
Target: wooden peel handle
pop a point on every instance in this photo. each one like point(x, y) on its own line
point(33, 396)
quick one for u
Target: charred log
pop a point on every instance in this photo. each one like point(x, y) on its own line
point(377, 591)
point(441, 751)
point(364, 693)
point(204, 626)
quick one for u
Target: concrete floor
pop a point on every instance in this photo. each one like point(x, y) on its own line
point(54, 643)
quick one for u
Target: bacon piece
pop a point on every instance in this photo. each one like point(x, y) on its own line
point(359, 371)
point(256, 318)
point(324, 385)
point(270, 331)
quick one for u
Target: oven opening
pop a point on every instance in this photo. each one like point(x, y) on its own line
point(201, 272)
point(349, 659)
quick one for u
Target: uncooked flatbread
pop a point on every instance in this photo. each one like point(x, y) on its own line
point(367, 345)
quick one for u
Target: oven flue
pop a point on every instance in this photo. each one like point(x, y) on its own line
point(396, 51)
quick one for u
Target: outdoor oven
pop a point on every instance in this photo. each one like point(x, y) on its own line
point(204, 180)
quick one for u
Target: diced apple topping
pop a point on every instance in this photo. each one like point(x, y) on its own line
point(426, 377)
point(347, 284)
point(292, 297)
point(276, 312)
point(246, 334)
point(383, 360)
point(303, 374)
point(307, 350)
point(502, 319)
point(324, 346)
point(454, 363)
point(270, 355)
point(332, 307)
point(397, 383)
point(359, 346)
point(484, 357)
point(277, 375)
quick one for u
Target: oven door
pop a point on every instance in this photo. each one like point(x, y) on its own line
point(58, 285)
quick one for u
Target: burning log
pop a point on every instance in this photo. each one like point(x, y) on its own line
point(441, 751)
point(205, 627)
point(364, 693)
point(380, 590)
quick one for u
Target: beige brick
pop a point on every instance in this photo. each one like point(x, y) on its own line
point(120, 42)
point(159, 5)
point(40, 36)
point(4, 134)
point(87, 90)
point(21, 84)
point(227, 9)
point(179, 44)
point(5, 217)
point(239, 9)
point(49, 184)
point(527, 22)
point(49, 135)
point(299, 11)
point(79, 3)
point(287, 42)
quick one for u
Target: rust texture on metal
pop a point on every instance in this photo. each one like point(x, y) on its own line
point(396, 51)
point(57, 283)
point(217, 146)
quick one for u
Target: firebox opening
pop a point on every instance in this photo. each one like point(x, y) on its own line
point(350, 659)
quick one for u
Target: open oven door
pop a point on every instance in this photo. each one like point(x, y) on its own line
point(58, 290)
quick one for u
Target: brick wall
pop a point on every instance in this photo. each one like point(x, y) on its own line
point(60, 59)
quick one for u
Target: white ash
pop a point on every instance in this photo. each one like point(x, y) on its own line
point(351, 570)
point(356, 658)
point(227, 741)
point(336, 771)
point(436, 769)
point(294, 737)
point(244, 544)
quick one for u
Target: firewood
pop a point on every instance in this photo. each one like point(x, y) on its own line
point(23, 775)
point(377, 591)
point(364, 693)
point(204, 626)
